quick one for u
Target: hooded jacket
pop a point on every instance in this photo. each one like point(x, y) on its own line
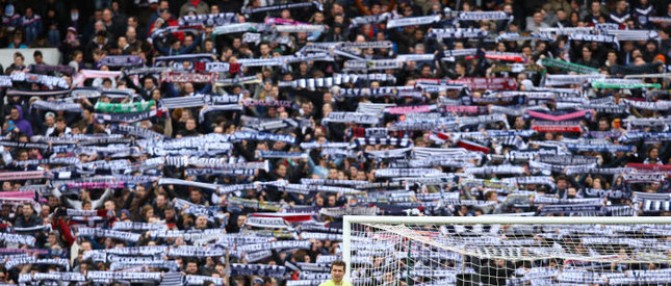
point(22, 124)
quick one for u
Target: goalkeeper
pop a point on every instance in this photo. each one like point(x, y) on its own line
point(337, 274)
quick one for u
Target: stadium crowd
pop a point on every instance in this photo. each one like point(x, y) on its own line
point(221, 142)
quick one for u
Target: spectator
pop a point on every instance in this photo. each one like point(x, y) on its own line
point(10, 19)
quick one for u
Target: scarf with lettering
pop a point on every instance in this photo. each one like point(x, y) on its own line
point(300, 28)
point(267, 125)
point(18, 176)
point(98, 232)
point(258, 269)
point(128, 117)
point(249, 11)
point(49, 81)
point(124, 107)
point(602, 38)
point(563, 79)
point(386, 91)
point(405, 172)
point(371, 19)
point(239, 28)
point(208, 19)
point(121, 61)
point(410, 109)
point(660, 105)
point(135, 131)
point(57, 106)
point(457, 33)
point(237, 204)
point(238, 81)
point(412, 21)
point(193, 58)
point(365, 65)
point(480, 16)
point(188, 77)
point(632, 136)
point(34, 261)
point(351, 117)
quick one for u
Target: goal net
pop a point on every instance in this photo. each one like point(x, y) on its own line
point(507, 250)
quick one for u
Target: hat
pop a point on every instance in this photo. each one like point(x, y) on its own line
point(9, 10)
point(660, 58)
point(126, 212)
point(49, 114)
point(258, 280)
point(72, 29)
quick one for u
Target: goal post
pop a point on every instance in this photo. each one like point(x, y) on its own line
point(506, 250)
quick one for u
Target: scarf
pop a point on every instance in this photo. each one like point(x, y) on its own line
point(210, 108)
point(603, 38)
point(561, 79)
point(161, 61)
point(351, 117)
point(57, 106)
point(403, 172)
point(266, 125)
point(188, 77)
point(257, 269)
point(238, 28)
point(238, 81)
point(18, 176)
point(457, 33)
point(208, 19)
point(299, 28)
point(6, 81)
point(12, 92)
point(495, 83)
point(108, 277)
point(410, 109)
point(97, 232)
point(555, 63)
point(83, 75)
point(564, 117)
point(412, 21)
point(121, 61)
point(479, 16)
point(128, 118)
point(660, 105)
point(623, 85)
point(237, 204)
point(124, 107)
point(28, 240)
point(48, 81)
point(249, 11)
point(363, 65)
point(371, 19)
